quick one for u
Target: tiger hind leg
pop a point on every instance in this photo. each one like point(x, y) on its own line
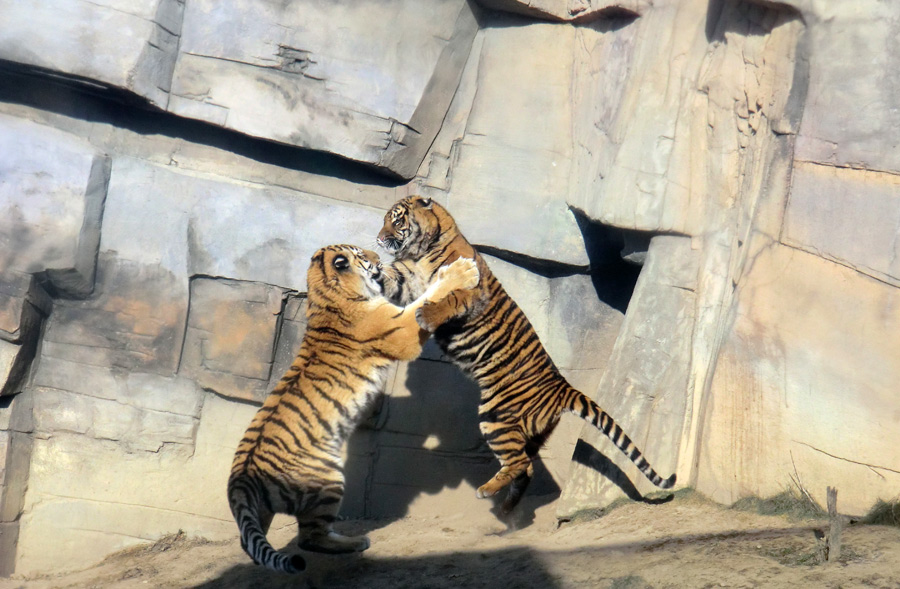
point(315, 533)
point(520, 484)
point(517, 490)
point(508, 445)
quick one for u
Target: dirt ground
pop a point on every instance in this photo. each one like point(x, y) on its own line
point(687, 542)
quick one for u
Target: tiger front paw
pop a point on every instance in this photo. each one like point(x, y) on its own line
point(462, 273)
point(424, 319)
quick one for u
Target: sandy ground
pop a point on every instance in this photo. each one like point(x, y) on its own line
point(687, 542)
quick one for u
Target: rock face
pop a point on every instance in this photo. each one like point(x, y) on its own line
point(162, 200)
point(370, 83)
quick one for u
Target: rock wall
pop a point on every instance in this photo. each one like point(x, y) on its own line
point(169, 167)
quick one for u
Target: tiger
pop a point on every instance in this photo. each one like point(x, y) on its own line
point(485, 333)
point(290, 460)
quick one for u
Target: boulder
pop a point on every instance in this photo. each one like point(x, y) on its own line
point(370, 83)
point(231, 335)
point(125, 44)
point(643, 386)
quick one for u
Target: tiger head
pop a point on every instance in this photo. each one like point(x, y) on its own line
point(344, 272)
point(412, 225)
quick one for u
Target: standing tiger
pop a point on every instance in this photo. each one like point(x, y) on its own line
point(289, 461)
point(486, 334)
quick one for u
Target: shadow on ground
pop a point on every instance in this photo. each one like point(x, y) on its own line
point(520, 567)
point(451, 570)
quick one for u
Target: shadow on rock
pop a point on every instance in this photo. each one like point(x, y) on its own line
point(425, 441)
point(589, 456)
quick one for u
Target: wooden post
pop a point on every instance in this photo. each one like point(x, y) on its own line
point(833, 550)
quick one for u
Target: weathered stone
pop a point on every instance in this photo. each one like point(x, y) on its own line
point(159, 393)
point(293, 326)
point(9, 363)
point(643, 388)
point(15, 462)
point(714, 120)
point(326, 76)
point(125, 44)
point(846, 215)
point(17, 412)
point(841, 37)
point(230, 339)
point(685, 114)
point(4, 450)
point(23, 304)
point(136, 319)
point(244, 233)
point(556, 455)
point(576, 327)
point(22, 313)
point(158, 428)
point(135, 322)
point(323, 88)
point(58, 411)
point(54, 186)
point(581, 328)
point(519, 154)
point(270, 236)
point(75, 512)
point(9, 537)
point(803, 370)
point(76, 377)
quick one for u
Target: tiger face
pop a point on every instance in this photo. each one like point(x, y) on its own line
point(409, 227)
point(346, 270)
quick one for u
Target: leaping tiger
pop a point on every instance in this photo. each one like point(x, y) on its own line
point(487, 335)
point(289, 460)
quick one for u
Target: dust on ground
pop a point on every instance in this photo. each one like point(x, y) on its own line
point(687, 542)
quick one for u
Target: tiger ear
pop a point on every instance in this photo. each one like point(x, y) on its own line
point(425, 202)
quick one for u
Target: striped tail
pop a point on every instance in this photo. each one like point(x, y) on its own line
point(244, 501)
point(585, 408)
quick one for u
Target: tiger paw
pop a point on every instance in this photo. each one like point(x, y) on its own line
point(334, 543)
point(485, 491)
point(462, 273)
point(425, 319)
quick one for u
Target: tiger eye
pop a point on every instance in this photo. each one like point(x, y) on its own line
point(341, 262)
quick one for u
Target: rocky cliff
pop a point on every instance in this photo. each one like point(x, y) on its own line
point(697, 203)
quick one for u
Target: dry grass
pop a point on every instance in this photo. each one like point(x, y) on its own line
point(788, 503)
point(884, 513)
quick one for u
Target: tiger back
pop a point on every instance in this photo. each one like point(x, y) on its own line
point(290, 458)
point(488, 336)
